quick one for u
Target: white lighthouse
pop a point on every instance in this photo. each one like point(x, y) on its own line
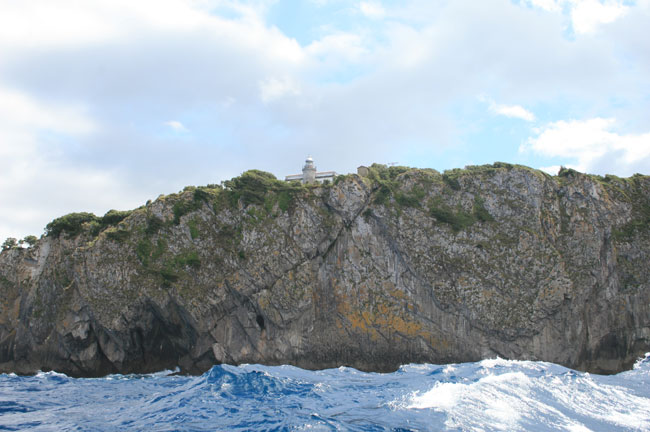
point(309, 174)
point(309, 171)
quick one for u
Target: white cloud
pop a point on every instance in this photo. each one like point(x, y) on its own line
point(272, 89)
point(547, 5)
point(587, 15)
point(19, 110)
point(36, 182)
point(85, 80)
point(593, 145)
point(552, 170)
point(372, 10)
point(512, 111)
point(176, 126)
point(338, 46)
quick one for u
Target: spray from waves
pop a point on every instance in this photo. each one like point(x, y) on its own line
point(488, 395)
point(520, 395)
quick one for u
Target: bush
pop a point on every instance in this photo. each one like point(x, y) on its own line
point(30, 240)
point(254, 187)
point(460, 219)
point(451, 179)
point(143, 251)
point(382, 195)
point(481, 212)
point(154, 224)
point(567, 172)
point(169, 275)
point(118, 235)
point(113, 217)
point(10, 243)
point(186, 259)
point(382, 172)
point(407, 200)
point(207, 193)
point(183, 207)
point(194, 230)
point(70, 224)
point(284, 200)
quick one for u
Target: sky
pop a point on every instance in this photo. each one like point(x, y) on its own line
point(105, 104)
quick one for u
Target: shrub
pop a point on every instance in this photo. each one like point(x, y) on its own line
point(168, 274)
point(451, 179)
point(143, 251)
point(30, 240)
point(10, 243)
point(118, 235)
point(183, 207)
point(255, 187)
point(154, 224)
point(206, 193)
point(382, 195)
point(113, 217)
point(194, 231)
point(460, 219)
point(284, 200)
point(481, 212)
point(407, 200)
point(186, 259)
point(70, 224)
point(567, 172)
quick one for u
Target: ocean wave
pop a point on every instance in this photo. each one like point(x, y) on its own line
point(494, 394)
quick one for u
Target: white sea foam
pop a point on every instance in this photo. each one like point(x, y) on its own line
point(449, 369)
point(495, 395)
point(641, 361)
point(577, 427)
point(443, 395)
point(41, 374)
point(512, 400)
point(498, 400)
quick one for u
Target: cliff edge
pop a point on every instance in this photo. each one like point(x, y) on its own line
point(404, 265)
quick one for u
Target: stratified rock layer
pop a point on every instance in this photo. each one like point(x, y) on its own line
point(371, 273)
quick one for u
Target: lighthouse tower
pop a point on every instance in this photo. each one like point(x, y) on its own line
point(309, 171)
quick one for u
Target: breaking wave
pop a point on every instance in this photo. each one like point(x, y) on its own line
point(488, 395)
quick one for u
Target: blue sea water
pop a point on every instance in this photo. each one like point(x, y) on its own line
point(483, 396)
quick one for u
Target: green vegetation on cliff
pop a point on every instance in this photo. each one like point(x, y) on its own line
point(73, 224)
point(404, 265)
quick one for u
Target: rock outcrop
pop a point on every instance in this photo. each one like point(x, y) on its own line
point(404, 266)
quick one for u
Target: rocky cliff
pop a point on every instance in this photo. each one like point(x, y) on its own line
point(404, 265)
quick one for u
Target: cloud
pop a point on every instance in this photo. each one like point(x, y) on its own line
point(585, 15)
point(512, 111)
point(91, 88)
point(37, 183)
point(547, 5)
point(20, 110)
point(593, 146)
point(176, 126)
point(338, 47)
point(553, 169)
point(372, 10)
point(272, 89)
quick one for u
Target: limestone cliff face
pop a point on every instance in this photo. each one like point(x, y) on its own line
point(404, 266)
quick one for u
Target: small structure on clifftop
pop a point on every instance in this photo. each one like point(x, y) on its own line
point(309, 174)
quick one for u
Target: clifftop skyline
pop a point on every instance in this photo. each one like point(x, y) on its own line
point(104, 104)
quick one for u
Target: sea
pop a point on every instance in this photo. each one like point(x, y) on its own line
point(490, 395)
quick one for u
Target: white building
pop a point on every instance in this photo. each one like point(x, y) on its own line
point(309, 174)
